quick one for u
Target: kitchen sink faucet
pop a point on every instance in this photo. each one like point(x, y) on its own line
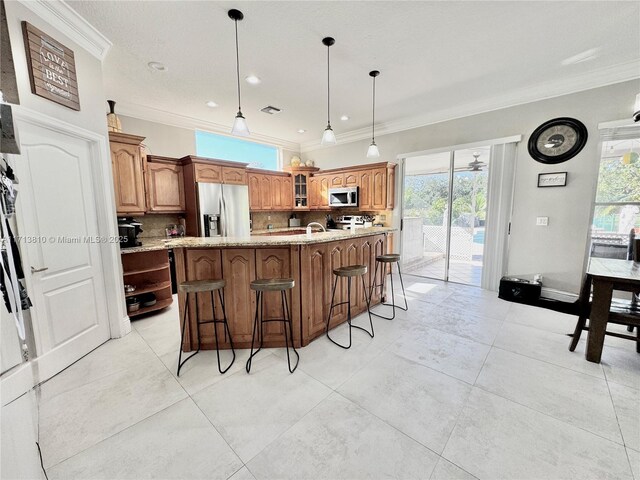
point(314, 223)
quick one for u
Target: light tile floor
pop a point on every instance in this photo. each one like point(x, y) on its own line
point(461, 386)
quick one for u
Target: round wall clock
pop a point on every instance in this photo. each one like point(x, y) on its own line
point(557, 140)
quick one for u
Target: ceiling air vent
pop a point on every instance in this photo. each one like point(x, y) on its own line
point(270, 110)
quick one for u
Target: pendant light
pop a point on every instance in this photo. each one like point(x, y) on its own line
point(240, 126)
point(373, 151)
point(328, 137)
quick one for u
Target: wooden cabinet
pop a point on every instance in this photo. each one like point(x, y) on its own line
point(127, 168)
point(391, 187)
point(164, 185)
point(270, 191)
point(208, 173)
point(316, 288)
point(364, 193)
point(379, 189)
point(287, 193)
point(204, 264)
point(301, 177)
point(234, 176)
point(239, 268)
point(319, 188)
point(149, 273)
point(265, 192)
point(336, 180)
point(274, 263)
point(255, 202)
point(351, 179)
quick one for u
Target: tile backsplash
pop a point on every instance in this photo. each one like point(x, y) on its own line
point(281, 219)
point(154, 225)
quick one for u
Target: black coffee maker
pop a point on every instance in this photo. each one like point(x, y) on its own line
point(128, 231)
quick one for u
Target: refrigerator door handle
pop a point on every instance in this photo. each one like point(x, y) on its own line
point(223, 214)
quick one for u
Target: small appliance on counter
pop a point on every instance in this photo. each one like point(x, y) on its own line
point(294, 221)
point(174, 231)
point(343, 222)
point(343, 197)
point(128, 231)
point(331, 223)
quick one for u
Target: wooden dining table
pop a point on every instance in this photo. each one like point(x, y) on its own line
point(606, 275)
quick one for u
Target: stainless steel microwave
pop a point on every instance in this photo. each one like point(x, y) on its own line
point(343, 197)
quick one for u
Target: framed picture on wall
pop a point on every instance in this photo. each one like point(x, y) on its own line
point(553, 179)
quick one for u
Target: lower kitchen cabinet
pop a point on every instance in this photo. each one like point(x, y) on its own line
point(149, 273)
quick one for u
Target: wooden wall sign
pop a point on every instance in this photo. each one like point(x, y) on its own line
point(52, 68)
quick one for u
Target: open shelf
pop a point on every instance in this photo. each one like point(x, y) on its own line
point(158, 305)
point(149, 287)
point(155, 268)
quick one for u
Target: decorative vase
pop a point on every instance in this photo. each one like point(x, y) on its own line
point(310, 163)
point(113, 122)
point(295, 161)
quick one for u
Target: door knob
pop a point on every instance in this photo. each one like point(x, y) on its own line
point(36, 270)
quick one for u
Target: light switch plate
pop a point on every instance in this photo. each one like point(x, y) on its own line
point(542, 221)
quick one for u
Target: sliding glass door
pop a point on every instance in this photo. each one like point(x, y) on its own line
point(444, 213)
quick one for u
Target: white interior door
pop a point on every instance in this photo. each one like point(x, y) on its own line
point(58, 226)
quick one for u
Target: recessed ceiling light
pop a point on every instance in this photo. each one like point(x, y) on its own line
point(212, 104)
point(302, 130)
point(344, 118)
point(253, 80)
point(159, 67)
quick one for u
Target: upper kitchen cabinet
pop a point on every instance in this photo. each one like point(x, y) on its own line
point(164, 182)
point(301, 187)
point(270, 190)
point(375, 182)
point(128, 177)
point(211, 170)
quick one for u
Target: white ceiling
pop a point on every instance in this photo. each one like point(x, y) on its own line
point(438, 59)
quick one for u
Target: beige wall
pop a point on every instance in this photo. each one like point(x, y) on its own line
point(556, 251)
point(164, 140)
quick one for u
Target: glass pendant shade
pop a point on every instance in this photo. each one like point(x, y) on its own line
point(328, 137)
point(240, 126)
point(636, 110)
point(373, 151)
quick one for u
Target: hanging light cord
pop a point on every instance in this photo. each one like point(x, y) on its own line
point(373, 124)
point(328, 87)
point(238, 65)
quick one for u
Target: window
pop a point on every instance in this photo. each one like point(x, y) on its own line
point(617, 206)
point(257, 155)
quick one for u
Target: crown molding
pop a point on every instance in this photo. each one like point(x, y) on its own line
point(163, 117)
point(544, 90)
point(62, 17)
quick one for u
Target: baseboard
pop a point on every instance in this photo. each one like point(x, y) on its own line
point(16, 382)
point(560, 295)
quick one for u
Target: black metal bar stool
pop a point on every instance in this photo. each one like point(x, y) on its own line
point(349, 272)
point(203, 286)
point(383, 260)
point(272, 285)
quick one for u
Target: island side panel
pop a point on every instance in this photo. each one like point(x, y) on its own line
point(204, 264)
point(316, 289)
point(278, 263)
point(239, 270)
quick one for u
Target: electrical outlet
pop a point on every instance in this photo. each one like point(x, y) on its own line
point(268, 217)
point(542, 221)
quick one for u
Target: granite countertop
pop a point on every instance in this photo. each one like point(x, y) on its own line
point(148, 244)
point(270, 240)
point(258, 238)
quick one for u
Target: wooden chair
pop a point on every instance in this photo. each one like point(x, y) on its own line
point(622, 312)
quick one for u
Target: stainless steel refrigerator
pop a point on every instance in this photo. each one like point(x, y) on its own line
point(223, 210)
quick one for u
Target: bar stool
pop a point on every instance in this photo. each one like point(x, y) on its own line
point(202, 286)
point(384, 259)
point(349, 272)
point(272, 285)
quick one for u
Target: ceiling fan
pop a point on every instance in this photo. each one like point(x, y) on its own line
point(474, 166)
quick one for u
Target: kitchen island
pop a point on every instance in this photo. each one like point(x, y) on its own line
point(308, 259)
